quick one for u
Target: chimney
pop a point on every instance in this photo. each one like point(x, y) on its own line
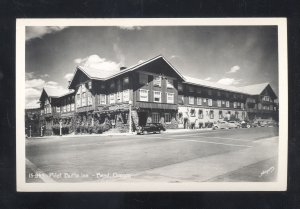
point(122, 68)
point(69, 82)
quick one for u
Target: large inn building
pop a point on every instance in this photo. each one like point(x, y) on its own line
point(152, 91)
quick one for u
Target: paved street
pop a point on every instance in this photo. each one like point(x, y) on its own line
point(221, 155)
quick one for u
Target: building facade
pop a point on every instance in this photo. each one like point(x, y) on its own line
point(153, 91)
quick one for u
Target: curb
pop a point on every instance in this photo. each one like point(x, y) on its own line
point(121, 134)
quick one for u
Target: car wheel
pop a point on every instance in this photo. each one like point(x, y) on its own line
point(145, 132)
point(248, 126)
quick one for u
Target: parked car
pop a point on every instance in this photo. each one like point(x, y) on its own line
point(234, 124)
point(222, 125)
point(150, 128)
point(272, 124)
point(245, 124)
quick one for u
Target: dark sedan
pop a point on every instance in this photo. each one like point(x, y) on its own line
point(150, 128)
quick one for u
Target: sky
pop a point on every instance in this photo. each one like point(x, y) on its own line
point(230, 55)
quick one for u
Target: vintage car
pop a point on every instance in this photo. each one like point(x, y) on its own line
point(226, 125)
point(150, 128)
point(245, 124)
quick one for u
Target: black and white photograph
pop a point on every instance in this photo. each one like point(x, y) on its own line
point(151, 104)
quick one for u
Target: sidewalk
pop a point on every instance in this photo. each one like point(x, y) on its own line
point(121, 134)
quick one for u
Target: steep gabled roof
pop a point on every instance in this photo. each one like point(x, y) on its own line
point(55, 92)
point(97, 74)
point(200, 82)
point(255, 89)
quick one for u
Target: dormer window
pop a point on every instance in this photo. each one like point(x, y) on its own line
point(143, 78)
point(90, 84)
point(169, 83)
point(157, 81)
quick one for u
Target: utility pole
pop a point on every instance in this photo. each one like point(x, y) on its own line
point(29, 131)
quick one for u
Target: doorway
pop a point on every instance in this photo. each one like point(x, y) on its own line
point(142, 118)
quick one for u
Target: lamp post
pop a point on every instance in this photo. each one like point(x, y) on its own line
point(29, 131)
point(129, 115)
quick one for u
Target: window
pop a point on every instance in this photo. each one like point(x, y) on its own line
point(180, 87)
point(271, 107)
point(218, 93)
point(209, 102)
point(83, 102)
point(220, 114)
point(266, 98)
point(219, 103)
point(126, 95)
point(170, 98)
point(209, 92)
point(243, 115)
point(125, 82)
point(236, 114)
point(112, 99)
point(83, 89)
point(259, 106)
point(275, 108)
point(180, 99)
point(102, 99)
point(169, 84)
point(157, 81)
point(227, 103)
point(211, 114)
point(78, 102)
point(198, 90)
point(193, 112)
point(200, 114)
point(155, 117)
point(42, 112)
point(191, 100)
point(119, 97)
point(143, 95)
point(112, 85)
point(45, 110)
point(143, 78)
point(90, 84)
point(223, 102)
point(191, 89)
point(167, 117)
point(57, 109)
point(64, 108)
point(199, 101)
point(234, 104)
point(68, 108)
point(72, 107)
point(242, 105)
point(157, 96)
point(90, 101)
point(204, 100)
